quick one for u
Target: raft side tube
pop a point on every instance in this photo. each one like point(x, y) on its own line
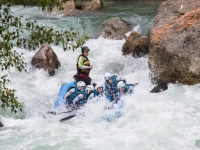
point(63, 90)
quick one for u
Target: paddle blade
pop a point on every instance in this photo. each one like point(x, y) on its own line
point(159, 88)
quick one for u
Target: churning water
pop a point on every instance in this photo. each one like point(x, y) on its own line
point(167, 121)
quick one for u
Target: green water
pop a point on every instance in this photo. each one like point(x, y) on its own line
point(139, 12)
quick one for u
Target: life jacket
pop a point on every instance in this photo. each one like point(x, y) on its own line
point(111, 89)
point(86, 62)
point(96, 93)
point(127, 88)
point(82, 101)
point(71, 97)
point(118, 94)
point(90, 94)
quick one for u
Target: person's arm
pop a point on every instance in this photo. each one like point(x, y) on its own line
point(69, 93)
point(78, 97)
point(119, 78)
point(130, 90)
point(91, 96)
point(80, 63)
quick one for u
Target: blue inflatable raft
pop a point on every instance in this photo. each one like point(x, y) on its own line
point(63, 90)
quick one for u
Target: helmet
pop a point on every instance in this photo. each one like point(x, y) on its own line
point(81, 83)
point(97, 86)
point(89, 88)
point(84, 48)
point(107, 76)
point(120, 84)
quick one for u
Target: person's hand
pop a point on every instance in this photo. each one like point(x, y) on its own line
point(90, 67)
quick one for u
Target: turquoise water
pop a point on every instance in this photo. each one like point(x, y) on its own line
point(164, 121)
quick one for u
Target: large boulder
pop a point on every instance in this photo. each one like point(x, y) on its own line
point(46, 58)
point(136, 45)
point(88, 5)
point(174, 43)
point(69, 9)
point(116, 28)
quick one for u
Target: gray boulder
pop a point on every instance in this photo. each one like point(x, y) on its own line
point(116, 28)
point(136, 45)
point(46, 58)
point(68, 9)
point(88, 5)
point(174, 43)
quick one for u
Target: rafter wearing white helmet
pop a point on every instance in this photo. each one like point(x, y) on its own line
point(99, 88)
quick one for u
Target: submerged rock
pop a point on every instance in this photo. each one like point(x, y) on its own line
point(174, 43)
point(116, 28)
point(136, 45)
point(46, 58)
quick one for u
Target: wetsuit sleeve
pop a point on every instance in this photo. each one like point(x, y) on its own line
point(69, 93)
point(78, 97)
point(91, 96)
point(80, 63)
point(119, 78)
point(130, 90)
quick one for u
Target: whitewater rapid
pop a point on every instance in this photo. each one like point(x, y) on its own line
point(165, 121)
point(168, 120)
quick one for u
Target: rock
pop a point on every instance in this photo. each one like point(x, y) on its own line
point(116, 28)
point(69, 9)
point(46, 58)
point(94, 5)
point(79, 3)
point(1, 125)
point(108, 0)
point(136, 45)
point(88, 5)
point(174, 43)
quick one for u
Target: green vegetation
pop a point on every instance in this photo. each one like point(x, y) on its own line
point(28, 35)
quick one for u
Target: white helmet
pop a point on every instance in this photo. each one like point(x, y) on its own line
point(89, 88)
point(98, 85)
point(120, 84)
point(81, 83)
point(107, 76)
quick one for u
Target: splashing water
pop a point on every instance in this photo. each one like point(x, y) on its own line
point(168, 120)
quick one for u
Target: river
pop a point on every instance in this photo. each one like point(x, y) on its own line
point(168, 120)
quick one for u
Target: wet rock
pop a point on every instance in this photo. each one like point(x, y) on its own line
point(69, 9)
point(108, 0)
point(46, 58)
point(174, 43)
point(136, 45)
point(116, 28)
point(1, 125)
point(88, 5)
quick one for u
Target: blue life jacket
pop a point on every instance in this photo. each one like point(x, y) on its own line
point(81, 102)
point(111, 89)
point(127, 88)
point(71, 97)
point(118, 95)
point(96, 93)
point(74, 95)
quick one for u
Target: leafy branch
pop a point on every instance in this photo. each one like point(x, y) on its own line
point(29, 35)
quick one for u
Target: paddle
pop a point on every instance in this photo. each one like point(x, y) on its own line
point(64, 115)
point(159, 88)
